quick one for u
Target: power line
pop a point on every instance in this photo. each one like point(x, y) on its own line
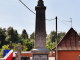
point(66, 24)
point(27, 7)
point(49, 19)
point(68, 21)
point(32, 11)
point(63, 22)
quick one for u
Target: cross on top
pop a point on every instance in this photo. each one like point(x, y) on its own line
point(10, 46)
point(19, 48)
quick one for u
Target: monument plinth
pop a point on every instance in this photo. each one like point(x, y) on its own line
point(40, 52)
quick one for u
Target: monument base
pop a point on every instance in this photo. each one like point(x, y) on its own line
point(40, 51)
point(40, 54)
point(40, 57)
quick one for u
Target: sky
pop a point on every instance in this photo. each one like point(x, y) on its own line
point(16, 15)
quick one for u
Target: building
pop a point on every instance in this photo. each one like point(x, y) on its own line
point(27, 55)
point(69, 46)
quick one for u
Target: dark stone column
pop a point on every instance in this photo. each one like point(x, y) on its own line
point(40, 28)
point(40, 52)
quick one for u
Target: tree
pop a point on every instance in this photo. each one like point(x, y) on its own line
point(24, 34)
point(2, 37)
point(32, 36)
point(16, 35)
point(4, 29)
point(11, 35)
point(60, 35)
point(20, 40)
point(29, 43)
point(52, 36)
point(50, 45)
point(79, 34)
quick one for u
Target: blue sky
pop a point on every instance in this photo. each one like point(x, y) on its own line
point(16, 15)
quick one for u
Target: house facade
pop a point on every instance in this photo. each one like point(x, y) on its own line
point(69, 47)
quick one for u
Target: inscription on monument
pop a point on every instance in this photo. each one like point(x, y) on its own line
point(40, 57)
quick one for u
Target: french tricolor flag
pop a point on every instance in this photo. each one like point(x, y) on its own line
point(8, 54)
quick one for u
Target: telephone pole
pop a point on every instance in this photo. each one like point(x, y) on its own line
point(71, 22)
point(56, 40)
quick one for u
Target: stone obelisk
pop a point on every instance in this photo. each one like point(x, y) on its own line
point(40, 52)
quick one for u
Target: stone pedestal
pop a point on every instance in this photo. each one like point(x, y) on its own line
point(40, 52)
point(40, 57)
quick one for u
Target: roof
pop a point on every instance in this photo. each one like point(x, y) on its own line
point(69, 42)
point(21, 52)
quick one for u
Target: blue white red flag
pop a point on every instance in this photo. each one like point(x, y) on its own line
point(8, 54)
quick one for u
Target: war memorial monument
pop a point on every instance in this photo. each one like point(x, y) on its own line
point(40, 52)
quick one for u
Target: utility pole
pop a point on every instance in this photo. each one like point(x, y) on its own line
point(56, 40)
point(71, 22)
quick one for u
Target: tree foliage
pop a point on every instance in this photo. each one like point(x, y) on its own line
point(29, 43)
point(52, 36)
point(79, 34)
point(11, 35)
point(24, 34)
point(2, 36)
point(32, 36)
point(60, 35)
